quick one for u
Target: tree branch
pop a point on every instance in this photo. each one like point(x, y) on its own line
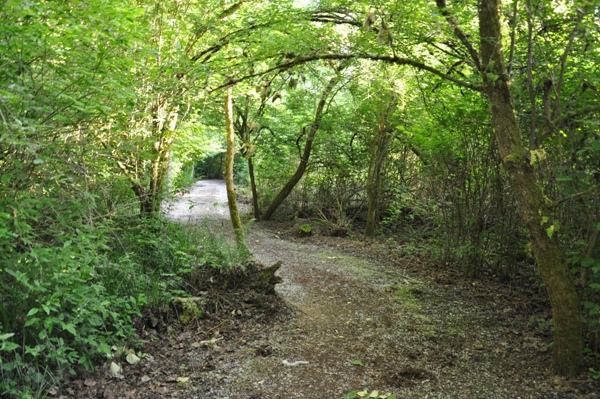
point(455, 53)
point(333, 17)
point(441, 4)
point(576, 195)
point(222, 42)
point(371, 57)
point(513, 32)
point(563, 62)
point(554, 124)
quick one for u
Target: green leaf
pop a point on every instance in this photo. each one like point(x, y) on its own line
point(35, 351)
point(31, 321)
point(95, 320)
point(587, 261)
point(6, 336)
point(32, 312)
point(9, 366)
point(71, 328)
point(356, 363)
point(350, 395)
point(8, 346)
point(564, 178)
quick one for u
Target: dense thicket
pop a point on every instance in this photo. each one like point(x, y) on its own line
point(401, 119)
point(91, 97)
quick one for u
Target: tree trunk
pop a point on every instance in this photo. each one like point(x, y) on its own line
point(254, 190)
point(287, 189)
point(140, 193)
point(157, 180)
point(229, 158)
point(221, 174)
point(533, 205)
point(379, 150)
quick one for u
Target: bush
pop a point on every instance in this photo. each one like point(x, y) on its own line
point(61, 314)
point(73, 290)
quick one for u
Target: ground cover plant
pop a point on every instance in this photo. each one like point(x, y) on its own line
point(66, 305)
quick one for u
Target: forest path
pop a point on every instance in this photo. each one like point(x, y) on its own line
point(204, 199)
point(364, 323)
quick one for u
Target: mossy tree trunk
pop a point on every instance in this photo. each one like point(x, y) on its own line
point(533, 206)
point(229, 158)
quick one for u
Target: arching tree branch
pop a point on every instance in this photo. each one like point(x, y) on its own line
point(365, 56)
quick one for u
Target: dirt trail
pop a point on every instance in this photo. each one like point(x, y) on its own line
point(363, 324)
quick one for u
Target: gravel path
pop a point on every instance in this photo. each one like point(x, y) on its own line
point(365, 324)
point(204, 199)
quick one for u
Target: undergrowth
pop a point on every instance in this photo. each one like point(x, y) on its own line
point(68, 295)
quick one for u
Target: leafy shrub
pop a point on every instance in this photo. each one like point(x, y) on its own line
point(404, 210)
point(588, 269)
point(61, 314)
point(73, 290)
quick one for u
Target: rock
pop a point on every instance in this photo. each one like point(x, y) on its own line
point(192, 308)
point(305, 230)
